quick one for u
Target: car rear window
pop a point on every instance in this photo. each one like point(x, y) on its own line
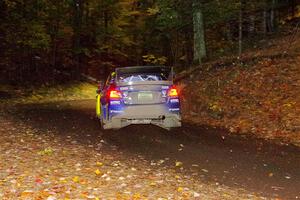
point(139, 74)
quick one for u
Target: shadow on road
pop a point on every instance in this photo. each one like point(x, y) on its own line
point(214, 155)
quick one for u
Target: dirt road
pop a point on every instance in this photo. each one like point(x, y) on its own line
point(247, 168)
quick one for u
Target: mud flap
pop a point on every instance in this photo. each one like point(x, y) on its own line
point(170, 122)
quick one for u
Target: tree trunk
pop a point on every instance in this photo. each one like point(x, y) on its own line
point(264, 21)
point(199, 37)
point(78, 5)
point(252, 24)
point(228, 31)
point(272, 17)
point(241, 28)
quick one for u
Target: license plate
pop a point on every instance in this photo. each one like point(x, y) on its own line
point(145, 96)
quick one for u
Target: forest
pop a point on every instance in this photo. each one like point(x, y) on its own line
point(227, 126)
point(40, 39)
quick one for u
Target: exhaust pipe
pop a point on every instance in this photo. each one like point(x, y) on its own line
point(162, 117)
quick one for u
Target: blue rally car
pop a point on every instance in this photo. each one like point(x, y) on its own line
point(139, 95)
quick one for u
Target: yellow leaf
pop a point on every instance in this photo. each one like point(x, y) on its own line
point(152, 11)
point(178, 164)
point(63, 180)
point(98, 172)
point(75, 179)
point(46, 151)
point(99, 164)
point(26, 193)
point(152, 184)
point(136, 196)
point(288, 105)
point(180, 189)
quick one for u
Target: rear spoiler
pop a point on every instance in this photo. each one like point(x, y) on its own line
point(154, 69)
point(146, 83)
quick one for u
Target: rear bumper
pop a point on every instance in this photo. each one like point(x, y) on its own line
point(158, 114)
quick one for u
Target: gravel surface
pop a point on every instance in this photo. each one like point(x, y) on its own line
point(57, 151)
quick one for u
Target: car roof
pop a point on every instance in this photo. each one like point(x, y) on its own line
point(135, 69)
point(143, 66)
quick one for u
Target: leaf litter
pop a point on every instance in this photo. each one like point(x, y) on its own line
point(260, 99)
point(44, 166)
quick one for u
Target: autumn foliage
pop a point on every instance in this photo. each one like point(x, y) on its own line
point(258, 96)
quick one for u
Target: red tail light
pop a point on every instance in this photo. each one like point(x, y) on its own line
point(173, 92)
point(115, 94)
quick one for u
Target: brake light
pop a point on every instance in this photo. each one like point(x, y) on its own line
point(172, 92)
point(115, 94)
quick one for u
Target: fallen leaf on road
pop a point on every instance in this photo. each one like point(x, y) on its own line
point(195, 194)
point(98, 172)
point(63, 180)
point(38, 180)
point(178, 164)
point(152, 184)
point(26, 193)
point(136, 196)
point(47, 151)
point(133, 169)
point(271, 174)
point(51, 198)
point(75, 179)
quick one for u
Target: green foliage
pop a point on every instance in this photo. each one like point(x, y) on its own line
point(35, 37)
point(68, 33)
point(151, 59)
